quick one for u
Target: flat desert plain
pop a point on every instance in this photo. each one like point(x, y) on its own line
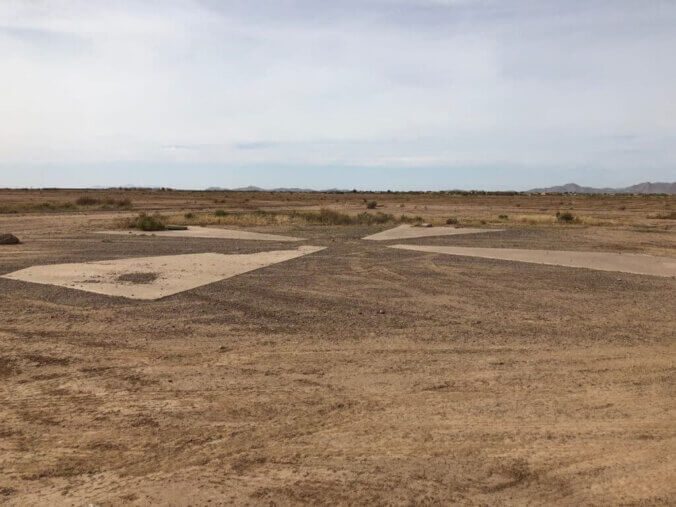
point(356, 374)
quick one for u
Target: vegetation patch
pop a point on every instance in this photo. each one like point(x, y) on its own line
point(566, 217)
point(323, 216)
point(145, 222)
point(84, 201)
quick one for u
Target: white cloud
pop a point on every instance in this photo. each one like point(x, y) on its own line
point(401, 82)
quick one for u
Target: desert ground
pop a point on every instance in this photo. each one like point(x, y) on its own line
point(355, 374)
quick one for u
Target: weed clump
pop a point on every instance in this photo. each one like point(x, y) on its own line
point(406, 219)
point(123, 202)
point(372, 205)
point(373, 218)
point(566, 217)
point(503, 217)
point(452, 221)
point(51, 206)
point(148, 222)
point(86, 200)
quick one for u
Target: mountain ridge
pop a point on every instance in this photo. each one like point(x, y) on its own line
point(646, 187)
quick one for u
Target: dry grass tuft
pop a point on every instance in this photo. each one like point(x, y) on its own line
point(84, 201)
point(145, 222)
point(269, 218)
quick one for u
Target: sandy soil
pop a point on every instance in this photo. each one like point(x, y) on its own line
point(153, 277)
point(406, 231)
point(360, 374)
point(207, 232)
point(640, 264)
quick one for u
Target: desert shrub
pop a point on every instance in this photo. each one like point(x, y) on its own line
point(373, 218)
point(86, 200)
point(41, 207)
point(125, 202)
point(565, 217)
point(452, 221)
point(406, 219)
point(220, 213)
point(148, 222)
point(503, 217)
point(324, 217)
point(330, 217)
point(372, 205)
point(51, 206)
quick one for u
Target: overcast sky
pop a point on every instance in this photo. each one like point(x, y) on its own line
point(349, 93)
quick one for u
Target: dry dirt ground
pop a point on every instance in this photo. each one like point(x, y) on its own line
point(359, 374)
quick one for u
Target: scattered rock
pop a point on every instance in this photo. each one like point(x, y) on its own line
point(138, 278)
point(9, 239)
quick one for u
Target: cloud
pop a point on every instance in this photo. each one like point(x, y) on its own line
point(359, 83)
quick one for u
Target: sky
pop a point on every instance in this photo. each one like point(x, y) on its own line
point(367, 94)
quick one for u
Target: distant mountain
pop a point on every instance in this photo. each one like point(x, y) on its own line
point(641, 188)
point(252, 188)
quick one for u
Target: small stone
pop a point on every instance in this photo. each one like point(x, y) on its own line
point(9, 239)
